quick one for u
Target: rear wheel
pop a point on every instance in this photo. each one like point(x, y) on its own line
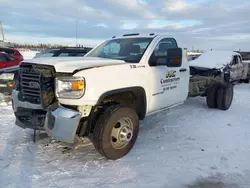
point(247, 80)
point(211, 96)
point(225, 96)
point(116, 131)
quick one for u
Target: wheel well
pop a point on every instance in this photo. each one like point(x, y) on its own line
point(134, 97)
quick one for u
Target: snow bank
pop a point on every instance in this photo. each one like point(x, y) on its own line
point(213, 59)
point(4, 100)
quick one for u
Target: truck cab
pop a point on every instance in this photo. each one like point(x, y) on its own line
point(149, 66)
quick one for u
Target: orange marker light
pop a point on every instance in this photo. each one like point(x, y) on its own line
point(77, 85)
point(175, 60)
point(11, 85)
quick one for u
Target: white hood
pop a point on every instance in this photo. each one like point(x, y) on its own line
point(213, 59)
point(70, 64)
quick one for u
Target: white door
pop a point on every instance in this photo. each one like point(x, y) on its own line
point(168, 83)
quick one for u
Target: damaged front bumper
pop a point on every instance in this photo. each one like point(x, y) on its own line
point(59, 122)
point(62, 123)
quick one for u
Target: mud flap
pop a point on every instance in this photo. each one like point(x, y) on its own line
point(62, 123)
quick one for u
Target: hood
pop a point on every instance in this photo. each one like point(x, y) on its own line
point(70, 64)
point(213, 59)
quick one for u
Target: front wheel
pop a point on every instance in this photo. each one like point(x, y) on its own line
point(116, 131)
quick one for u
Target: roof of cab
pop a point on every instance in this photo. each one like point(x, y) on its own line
point(141, 35)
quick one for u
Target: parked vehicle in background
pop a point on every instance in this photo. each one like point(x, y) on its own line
point(7, 79)
point(228, 62)
point(193, 55)
point(191, 58)
point(9, 66)
point(12, 52)
point(246, 60)
point(104, 94)
point(7, 60)
point(64, 52)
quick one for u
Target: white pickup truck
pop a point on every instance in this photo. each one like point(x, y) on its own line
point(104, 95)
point(230, 61)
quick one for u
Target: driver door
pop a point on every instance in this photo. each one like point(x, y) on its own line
point(168, 83)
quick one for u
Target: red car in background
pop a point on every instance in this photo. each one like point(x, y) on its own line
point(12, 52)
point(7, 60)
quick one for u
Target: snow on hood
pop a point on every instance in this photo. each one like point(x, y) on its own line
point(213, 59)
point(70, 64)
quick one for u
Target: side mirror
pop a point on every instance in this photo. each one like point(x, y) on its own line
point(174, 57)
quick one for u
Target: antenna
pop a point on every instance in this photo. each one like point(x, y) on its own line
point(1, 26)
point(76, 33)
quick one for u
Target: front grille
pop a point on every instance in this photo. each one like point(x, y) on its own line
point(36, 84)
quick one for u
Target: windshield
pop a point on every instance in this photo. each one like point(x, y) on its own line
point(62, 53)
point(127, 49)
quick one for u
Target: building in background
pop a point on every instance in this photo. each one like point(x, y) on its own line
point(6, 44)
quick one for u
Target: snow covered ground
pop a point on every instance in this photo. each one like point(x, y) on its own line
point(190, 146)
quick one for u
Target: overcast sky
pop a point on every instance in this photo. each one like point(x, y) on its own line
point(203, 24)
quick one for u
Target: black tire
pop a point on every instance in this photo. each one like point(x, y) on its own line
point(225, 95)
point(103, 129)
point(247, 80)
point(211, 96)
point(227, 76)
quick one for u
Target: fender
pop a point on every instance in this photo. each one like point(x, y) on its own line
point(137, 90)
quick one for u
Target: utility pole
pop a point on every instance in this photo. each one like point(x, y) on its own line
point(76, 33)
point(1, 26)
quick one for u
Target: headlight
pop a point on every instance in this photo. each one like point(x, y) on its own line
point(70, 87)
point(7, 76)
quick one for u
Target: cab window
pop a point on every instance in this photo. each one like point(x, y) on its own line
point(235, 61)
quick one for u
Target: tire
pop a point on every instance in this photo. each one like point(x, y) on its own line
point(225, 95)
point(247, 80)
point(108, 124)
point(227, 76)
point(211, 96)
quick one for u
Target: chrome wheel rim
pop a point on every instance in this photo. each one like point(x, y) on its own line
point(122, 133)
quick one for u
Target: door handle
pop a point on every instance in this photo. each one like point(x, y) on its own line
point(183, 70)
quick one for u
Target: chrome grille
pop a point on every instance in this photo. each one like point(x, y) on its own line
point(36, 83)
point(30, 85)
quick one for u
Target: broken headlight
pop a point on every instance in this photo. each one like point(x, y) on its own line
point(70, 87)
